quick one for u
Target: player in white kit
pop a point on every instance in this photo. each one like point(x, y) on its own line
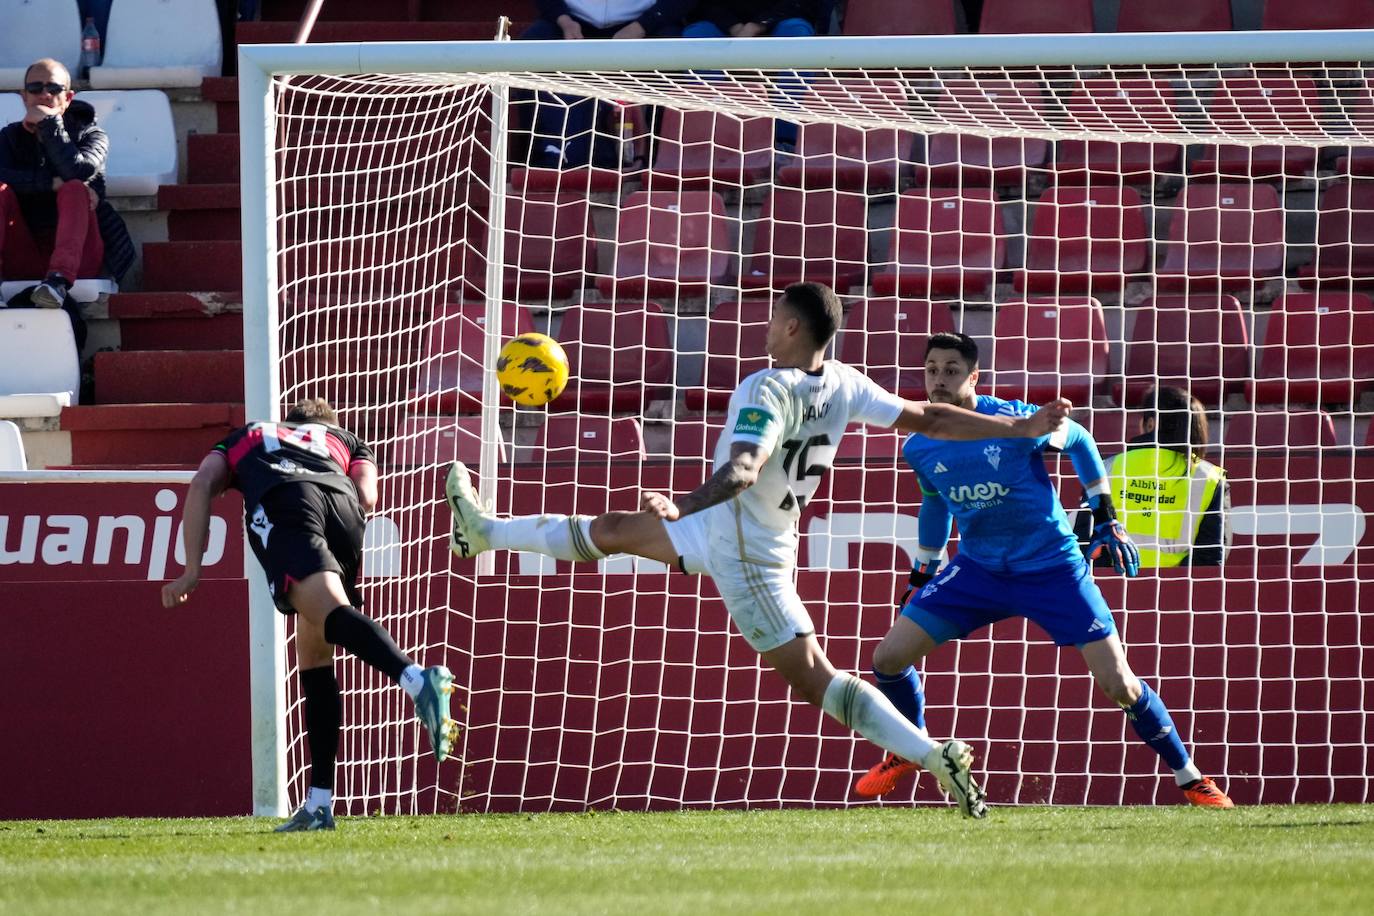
point(740, 526)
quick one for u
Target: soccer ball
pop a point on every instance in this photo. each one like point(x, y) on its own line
point(532, 369)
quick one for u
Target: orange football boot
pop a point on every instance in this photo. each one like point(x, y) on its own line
point(883, 777)
point(1204, 793)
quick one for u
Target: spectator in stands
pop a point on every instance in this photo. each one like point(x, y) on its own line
point(1174, 503)
point(777, 18)
point(54, 220)
point(563, 124)
point(752, 18)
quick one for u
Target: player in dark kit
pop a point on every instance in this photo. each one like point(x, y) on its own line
point(306, 485)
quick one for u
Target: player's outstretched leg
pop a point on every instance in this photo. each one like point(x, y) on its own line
point(563, 537)
point(432, 709)
point(884, 776)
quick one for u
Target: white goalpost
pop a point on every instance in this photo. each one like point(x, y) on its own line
point(1102, 213)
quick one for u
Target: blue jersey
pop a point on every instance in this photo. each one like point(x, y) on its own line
point(1010, 518)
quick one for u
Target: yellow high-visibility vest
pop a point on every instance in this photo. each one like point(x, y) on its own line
point(1160, 497)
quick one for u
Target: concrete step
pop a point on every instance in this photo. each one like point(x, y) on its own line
point(223, 91)
point(212, 158)
point(189, 266)
point(203, 332)
point(173, 305)
point(169, 376)
point(125, 435)
point(201, 212)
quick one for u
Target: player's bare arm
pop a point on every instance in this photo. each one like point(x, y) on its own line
point(212, 477)
point(733, 478)
point(946, 421)
point(364, 477)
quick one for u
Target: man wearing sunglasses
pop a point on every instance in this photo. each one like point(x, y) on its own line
point(54, 221)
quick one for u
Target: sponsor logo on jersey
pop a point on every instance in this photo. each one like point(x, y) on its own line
point(940, 467)
point(260, 525)
point(1097, 625)
point(978, 495)
point(994, 455)
point(288, 466)
point(753, 421)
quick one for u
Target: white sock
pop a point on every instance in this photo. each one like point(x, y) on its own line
point(412, 680)
point(862, 707)
point(318, 798)
point(562, 537)
point(1186, 774)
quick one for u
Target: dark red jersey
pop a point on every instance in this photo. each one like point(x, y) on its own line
point(263, 455)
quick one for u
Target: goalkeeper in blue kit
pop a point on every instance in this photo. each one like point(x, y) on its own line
point(1017, 556)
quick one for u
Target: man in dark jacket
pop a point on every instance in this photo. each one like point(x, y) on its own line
point(54, 221)
point(563, 123)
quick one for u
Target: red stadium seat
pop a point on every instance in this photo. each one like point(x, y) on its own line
point(871, 445)
point(953, 159)
point(735, 335)
point(430, 441)
point(1048, 348)
point(886, 339)
point(1021, 17)
point(1111, 429)
point(834, 156)
point(946, 243)
point(550, 248)
point(455, 359)
point(1175, 16)
point(697, 148)
point(1274, 103)
point(815, 235)
point(669, 244)
point(694, 439)
point(578, 437)
point(1318, 349)
point(1336, 14)
point(1345, 236)
point(1225, 236)
point(620, 354)
point(899, 17)
point(1278, 429)
point(565, 181)
point(1199, 343)
point(1115, 104)
point(1082, 239)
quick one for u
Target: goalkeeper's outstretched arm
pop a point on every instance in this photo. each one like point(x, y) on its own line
point(945, 421)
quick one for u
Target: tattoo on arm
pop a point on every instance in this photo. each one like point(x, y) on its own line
point(730, 480)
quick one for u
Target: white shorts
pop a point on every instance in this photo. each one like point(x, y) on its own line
point(762, 600)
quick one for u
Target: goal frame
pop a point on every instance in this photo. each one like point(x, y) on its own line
point(258, 65)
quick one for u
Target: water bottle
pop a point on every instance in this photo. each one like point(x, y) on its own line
point(90, 48)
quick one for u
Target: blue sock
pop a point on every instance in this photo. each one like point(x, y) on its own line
point(904, 690)
point(1151, 721)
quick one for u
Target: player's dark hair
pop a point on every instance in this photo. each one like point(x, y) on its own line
point(818, 307)
point(953, 340)
point(312, 409)
point(1180, 420)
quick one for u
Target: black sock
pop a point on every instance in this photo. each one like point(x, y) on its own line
point(366, 639)
point(323, 716)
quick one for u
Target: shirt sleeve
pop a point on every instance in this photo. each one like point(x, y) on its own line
point(1213, 535)
point(758, 412)
point(872, 404)
point(360, 452)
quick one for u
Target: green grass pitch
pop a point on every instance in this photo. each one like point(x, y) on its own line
point(1066, 861)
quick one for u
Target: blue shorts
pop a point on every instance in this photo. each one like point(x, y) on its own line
point(1064, 601)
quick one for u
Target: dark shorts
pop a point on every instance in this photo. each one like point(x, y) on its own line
point(963, 597)
point(300, 529)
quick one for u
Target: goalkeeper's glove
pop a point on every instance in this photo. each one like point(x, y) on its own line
point(921, 573)
point(1110, 536)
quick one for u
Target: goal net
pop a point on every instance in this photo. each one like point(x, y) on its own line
point(1100, 227)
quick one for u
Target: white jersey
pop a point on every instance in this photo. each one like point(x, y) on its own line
point(799, 418)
